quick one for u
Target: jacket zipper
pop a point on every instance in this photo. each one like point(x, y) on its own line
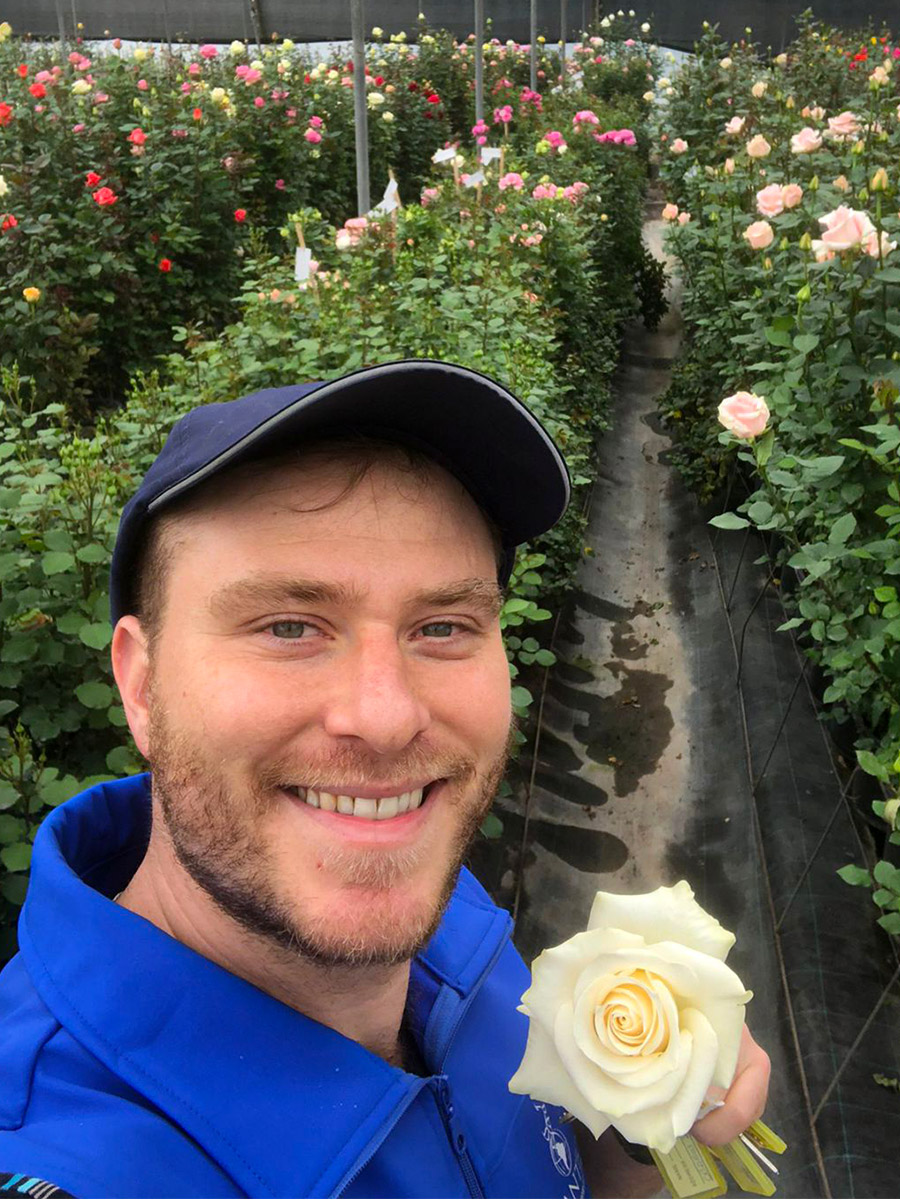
point(457, 1138)
point(374, 1145)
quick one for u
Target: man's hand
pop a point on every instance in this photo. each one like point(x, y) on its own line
point(745, 1100)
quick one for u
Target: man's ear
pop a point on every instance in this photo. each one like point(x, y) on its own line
point(131, 667)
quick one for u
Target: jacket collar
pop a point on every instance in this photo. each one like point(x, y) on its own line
point(203, 1045)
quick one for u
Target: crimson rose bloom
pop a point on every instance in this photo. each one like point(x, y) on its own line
point(240, 214)
point(7, 221)
point(92, 179)
point(105, 196)
point(434, 98)
point(165, 265)
point(38, 91)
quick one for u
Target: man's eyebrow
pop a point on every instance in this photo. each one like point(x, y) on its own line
point(484, 595)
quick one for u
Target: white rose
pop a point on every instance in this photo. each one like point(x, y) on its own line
point(633, 1020)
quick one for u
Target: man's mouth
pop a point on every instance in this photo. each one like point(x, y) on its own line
point(368, 808)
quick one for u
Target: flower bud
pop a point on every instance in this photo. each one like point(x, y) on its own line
point(863, 194)
point(814, 184)
point(858, 147)
point(805, 242)
point(879, 181)
point(767, 263)
point(891, 809)
point(805, 293)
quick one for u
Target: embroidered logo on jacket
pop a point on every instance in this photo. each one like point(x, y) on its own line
point(30, 1185)
point(565, 1157)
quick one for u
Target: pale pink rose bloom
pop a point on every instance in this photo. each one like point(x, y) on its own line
point(806, 141)
point(821, 251)
point(841, 183)
point(209, 51)
point(805, 111)
point(311, 135)
point(817, 112)
point(845, 228)
point(729, 166)
point(356, 223)
point(683, 218)
point(745, 414)
point(791, 195)
point(843, 127)
point(670, 212)
point(760, 235)
point(511, 179)
point(879, 76)
point(769, 201)
point(679, 145)
point(870, 244)
point(342, 240)
point(759, 89)
point(735, 126)
point(758, 147)
point(429, 194)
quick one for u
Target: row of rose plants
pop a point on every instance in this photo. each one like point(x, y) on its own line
point(129, 178)
point(524, 267)
point(782, 185)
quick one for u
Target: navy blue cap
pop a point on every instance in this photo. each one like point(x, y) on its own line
point(471, 425)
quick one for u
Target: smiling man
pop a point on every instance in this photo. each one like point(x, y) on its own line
point(261, 969)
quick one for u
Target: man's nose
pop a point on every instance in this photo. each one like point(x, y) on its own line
point(375, 697)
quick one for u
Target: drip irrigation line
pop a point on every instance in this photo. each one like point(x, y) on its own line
point(859, 1037)
point(779, 949)
point(812, 858)
point(784, 718)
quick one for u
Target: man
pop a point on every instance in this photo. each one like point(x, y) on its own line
point(263, 973)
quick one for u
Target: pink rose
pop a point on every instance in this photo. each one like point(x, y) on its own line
point(821, 251)
point(745, 414)
point(760, 235)
point(313, 136)
point(316, 122)
point(806, 141)
point(845, 228)
point(758, 147)
point(670, 212)
point(728, 168)
point(428, 195)
point(511, 179)
point(735, 126)
point(872, 247)
point(791, 195)
point(683, 218)
point(357, 224)
point(844, 127)
point(679, 145)
point(770, 200)
point(208, 51)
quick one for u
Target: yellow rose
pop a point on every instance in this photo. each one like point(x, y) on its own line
point(631, 1021)
point(31, 294)
point(5, 30)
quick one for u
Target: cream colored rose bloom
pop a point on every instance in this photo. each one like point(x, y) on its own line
point(758, 147)
point(631, 1021)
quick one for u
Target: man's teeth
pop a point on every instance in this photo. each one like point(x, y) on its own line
point(355, 806)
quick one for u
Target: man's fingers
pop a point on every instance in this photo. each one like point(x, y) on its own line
point(744, 1103)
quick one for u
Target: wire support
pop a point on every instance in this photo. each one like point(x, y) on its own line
point(760, 848)
point(784, 718)
point(812, 858)
point(753, 607)
point(738, 570)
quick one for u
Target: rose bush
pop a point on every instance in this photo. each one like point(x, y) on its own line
point(632, 1021)
point(803, 316)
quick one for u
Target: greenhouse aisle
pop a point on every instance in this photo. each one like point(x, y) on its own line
point(641, 779)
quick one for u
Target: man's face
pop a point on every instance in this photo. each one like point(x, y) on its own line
point(313, 659)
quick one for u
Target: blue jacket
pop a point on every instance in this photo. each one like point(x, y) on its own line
point(131, 1066)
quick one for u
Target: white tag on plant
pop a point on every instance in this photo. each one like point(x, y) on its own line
point(445, 155)
point(489, 153)
point(474, 180)
point(302, 260)
point(389, 201)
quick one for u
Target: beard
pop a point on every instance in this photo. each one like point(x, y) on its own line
point(219, 836)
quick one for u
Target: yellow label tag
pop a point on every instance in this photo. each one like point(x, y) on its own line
point(761, 1135)
point(690, 1170)
point(744, 1169)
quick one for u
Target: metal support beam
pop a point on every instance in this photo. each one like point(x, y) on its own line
point(563, 35)
point(360, 110)
point(479, 60)
point(534, 45)
point(62, 27)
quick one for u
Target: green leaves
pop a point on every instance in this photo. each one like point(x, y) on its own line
point(729, 521)
point(94, 694)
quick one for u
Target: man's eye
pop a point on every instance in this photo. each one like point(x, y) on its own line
point(440, 629)
point(289, 630)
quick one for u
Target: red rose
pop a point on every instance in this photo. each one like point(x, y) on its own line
point(198, 114)
point(38, 91)
point(92, 179)
point(165, 265)
point(240, 215)
point(7, 221)
point(105, 196)
point(413, 86)
point(379, 80)
point(21, 70)
point(307, 78)
point(434, 98)
point(5, 114)
point(137, 137)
